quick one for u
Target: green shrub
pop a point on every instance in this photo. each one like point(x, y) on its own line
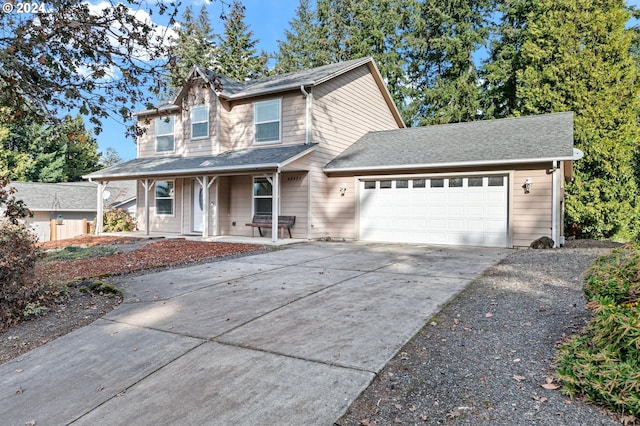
point(118, 220)
point(603, 364)
point(17, 262)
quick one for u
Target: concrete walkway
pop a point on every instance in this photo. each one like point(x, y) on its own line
point(290, 337)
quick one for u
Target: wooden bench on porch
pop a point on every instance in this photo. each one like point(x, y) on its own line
point(265, 221)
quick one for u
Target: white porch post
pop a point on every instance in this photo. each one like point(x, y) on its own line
point(275, 192)
point(555, 205)
point(205, 206)
point(146, 206)
point(100, 208)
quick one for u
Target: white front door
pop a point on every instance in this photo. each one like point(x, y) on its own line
point(198, 206)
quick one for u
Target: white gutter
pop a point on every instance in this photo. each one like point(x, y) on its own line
point(217, 122)
point(443, 165)
point(555, 235)
point(307, 130)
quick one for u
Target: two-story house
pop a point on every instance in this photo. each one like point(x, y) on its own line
point(328, 146)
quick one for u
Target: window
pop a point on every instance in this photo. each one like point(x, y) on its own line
point(262, 196)
point(455, 182)
point(436, 183)
point(164, 134)
point(370, 184)
point(267, 119)
point(385, 184)
point(164, 197)
point(474, 181)
point(402, 183)
point(199, 121)
point(496, 181)
point(418, 183)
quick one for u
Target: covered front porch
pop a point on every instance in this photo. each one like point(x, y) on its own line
point(212, 197)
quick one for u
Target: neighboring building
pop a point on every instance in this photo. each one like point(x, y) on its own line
point(72, 202)
point(327, 145)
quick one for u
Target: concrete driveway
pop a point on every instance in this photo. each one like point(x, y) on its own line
point(289, 337)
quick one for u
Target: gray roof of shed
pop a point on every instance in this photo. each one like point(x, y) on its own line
point(491, 142)
point(264, 158)
point(68, 196)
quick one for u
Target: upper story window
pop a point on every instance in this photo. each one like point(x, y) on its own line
point(164, 134)
point(267, 119)
point(199, 121)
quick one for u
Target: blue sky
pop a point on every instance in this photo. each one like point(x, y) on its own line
point(266, 18)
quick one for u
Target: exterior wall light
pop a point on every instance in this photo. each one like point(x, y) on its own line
point(527, 185)
point(343, 189)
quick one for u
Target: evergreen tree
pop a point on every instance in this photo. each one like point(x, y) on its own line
point(57, 153)
point(195, 45)
point(574, 55)
point(445, 81)
point(341, 30)
point(238, 55)
point(300, 50)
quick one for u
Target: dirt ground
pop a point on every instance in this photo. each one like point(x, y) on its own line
point(132, 255)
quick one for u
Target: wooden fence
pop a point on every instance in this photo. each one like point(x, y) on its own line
point(68, 228)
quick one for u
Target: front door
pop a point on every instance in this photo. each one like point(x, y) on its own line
point(198, 206)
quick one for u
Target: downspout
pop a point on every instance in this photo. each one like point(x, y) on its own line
point(555, 236)
point(217, 138)
point(307, 124)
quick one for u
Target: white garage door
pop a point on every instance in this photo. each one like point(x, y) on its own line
point(470, 210)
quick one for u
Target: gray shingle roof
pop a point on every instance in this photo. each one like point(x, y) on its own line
point(230, 161)
point(232, 89)
point(504, 141)
point(236, 90)
point(68, 196)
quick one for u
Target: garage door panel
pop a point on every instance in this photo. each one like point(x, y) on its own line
point(426, 213)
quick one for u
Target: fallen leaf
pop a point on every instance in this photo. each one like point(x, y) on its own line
point(397, 421)
point(541, 398)
point(398, 406)
point(527, 324)
point(453, 414)
point(424, 418)
point(519, 378)
point(366, 422)
point(99, 388)
point(550, 385)
point(30, 423)
point(628, 420)
point(19, 370)
point(517, 360)
point(488, 315)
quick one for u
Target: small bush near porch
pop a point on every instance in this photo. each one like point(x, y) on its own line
point(118, 220)
point(603, 364)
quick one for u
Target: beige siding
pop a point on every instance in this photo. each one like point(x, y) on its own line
point(344, 109)
point(239, 125)
point(147, 142)
point(531, 212)
point(161, 223)
point(199, 146)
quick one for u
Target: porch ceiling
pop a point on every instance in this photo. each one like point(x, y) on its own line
point(252, 159)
